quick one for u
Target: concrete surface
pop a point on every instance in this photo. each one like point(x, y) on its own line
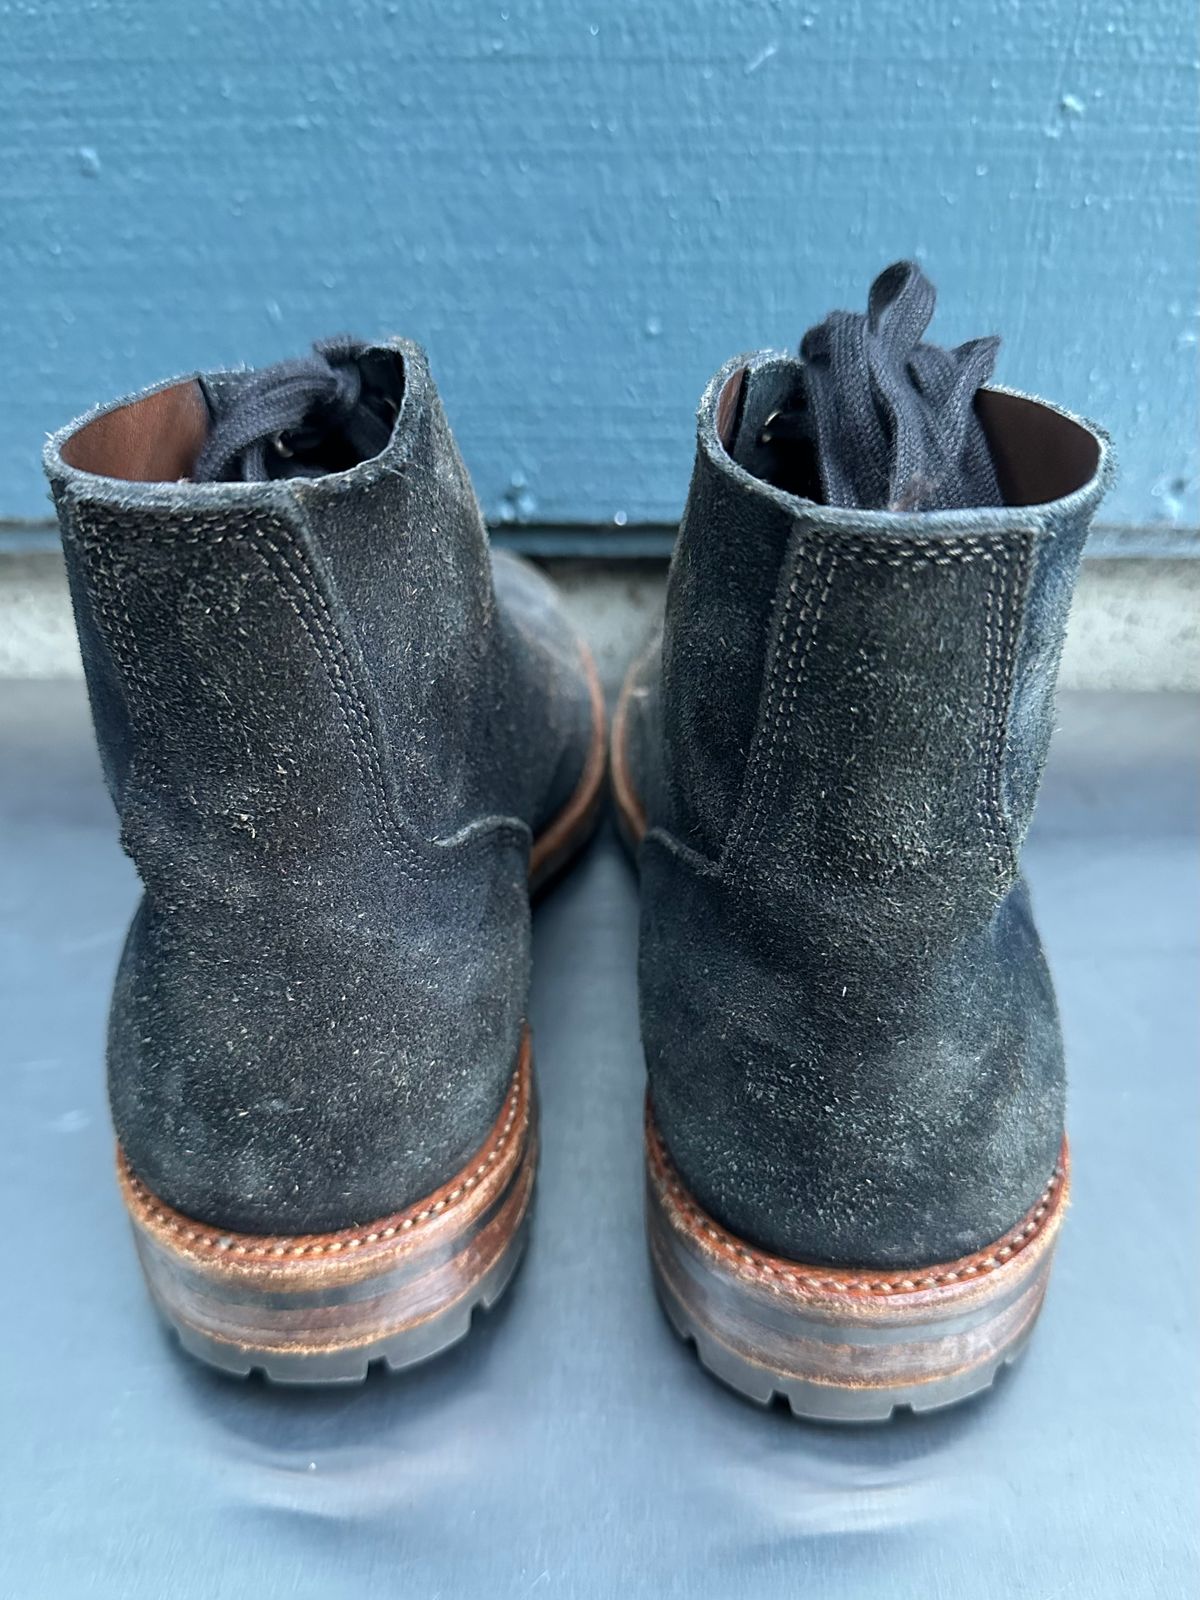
point(1135, 623)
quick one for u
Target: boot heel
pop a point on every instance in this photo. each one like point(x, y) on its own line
point(845, 1345)
point(321, 1308)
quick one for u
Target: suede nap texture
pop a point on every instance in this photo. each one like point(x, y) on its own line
point(851, 1035)
point(330, 725)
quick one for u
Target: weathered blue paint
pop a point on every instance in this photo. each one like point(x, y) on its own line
point(582, 209)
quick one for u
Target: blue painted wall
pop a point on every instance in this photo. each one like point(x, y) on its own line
point(582, 209)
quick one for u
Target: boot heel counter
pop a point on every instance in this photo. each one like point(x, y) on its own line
point(291, 1066)
point(834, 1095)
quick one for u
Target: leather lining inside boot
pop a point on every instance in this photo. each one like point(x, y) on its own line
point(155, 440)
point(1039, 454)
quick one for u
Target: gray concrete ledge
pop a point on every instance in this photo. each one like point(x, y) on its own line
point(1135, 623)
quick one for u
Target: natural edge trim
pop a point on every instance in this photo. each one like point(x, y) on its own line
point(797, 1277)
point(509, 1129)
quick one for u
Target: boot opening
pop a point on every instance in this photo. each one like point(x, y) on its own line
point(1039, 455)
point(320, 414)
point(749, 406)
point(873, 417)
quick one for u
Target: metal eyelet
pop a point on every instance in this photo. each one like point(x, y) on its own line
point(764, 436)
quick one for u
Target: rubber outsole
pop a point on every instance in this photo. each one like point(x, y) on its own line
point(846, 1344)
point(322, 1308)
point(813, 1402)
point(395, 1354)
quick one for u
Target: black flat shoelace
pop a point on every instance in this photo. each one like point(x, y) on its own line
point(893, 420)
point(277, 423)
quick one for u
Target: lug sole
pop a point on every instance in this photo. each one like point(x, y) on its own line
point(846, 1344)
point(321, 1308)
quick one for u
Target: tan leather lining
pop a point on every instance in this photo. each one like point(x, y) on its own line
point(1039, 454)
point(155, 440)
point(727, 408)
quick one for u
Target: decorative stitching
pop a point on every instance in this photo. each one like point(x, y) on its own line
point(331, 651)
point(316, 619)
point(739, 827)
point(1006, 588)
point(763, 765)
point(791, 689)
point(989, 737)
point(915, 552)
point(772, 1269)
point(404, 1222)
point(1003, 589)
point(1018, 573)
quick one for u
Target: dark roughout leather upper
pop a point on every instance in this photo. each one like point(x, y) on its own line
point(330, 725)
point(851, 1035)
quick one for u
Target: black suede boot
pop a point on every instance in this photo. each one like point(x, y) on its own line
point(342, 742)
point(829, 760)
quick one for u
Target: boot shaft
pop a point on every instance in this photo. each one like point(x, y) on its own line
point(254, 699)
point(862, 701)
point(331, 726)
point(850, 1030)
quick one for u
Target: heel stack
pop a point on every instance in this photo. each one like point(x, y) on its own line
point(321, 1308)
point(846, 1345)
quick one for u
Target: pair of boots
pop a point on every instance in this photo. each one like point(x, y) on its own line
point(346, 742)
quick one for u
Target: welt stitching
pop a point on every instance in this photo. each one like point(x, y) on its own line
point(1009, 1245)
point(244, 1245)
point(763, 757)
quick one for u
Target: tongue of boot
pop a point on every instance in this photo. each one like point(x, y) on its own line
point(297, 419)
point(893, 420)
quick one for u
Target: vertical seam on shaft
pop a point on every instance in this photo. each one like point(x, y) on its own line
point(315, 618)
point(1009, 595)
point(984, 807)
point(764, 765)
point(330, 649)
